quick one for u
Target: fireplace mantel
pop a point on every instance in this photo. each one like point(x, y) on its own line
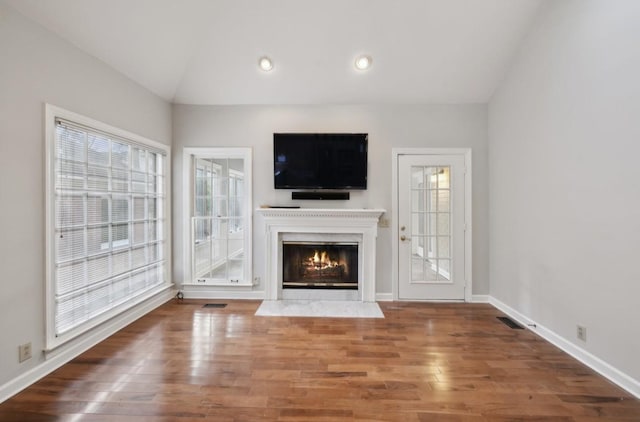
point(323, 221)
point(350, 213)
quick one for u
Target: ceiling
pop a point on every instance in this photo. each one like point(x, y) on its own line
point(207, 51)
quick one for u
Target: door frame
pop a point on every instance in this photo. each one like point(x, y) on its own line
point(466, 152)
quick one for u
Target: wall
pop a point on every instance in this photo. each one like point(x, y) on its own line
point(37, 67)
point(388, 126)
point(564, 178)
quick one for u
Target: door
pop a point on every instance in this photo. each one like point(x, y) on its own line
point(431, 227)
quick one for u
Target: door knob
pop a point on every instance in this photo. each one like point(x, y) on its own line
point(403, 238)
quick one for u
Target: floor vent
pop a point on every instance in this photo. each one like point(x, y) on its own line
point(511, 323)
point(215, 305)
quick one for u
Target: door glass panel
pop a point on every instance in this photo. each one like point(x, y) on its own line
point(430, 223)
point(431, 179)
point(417, 177)
point(430, 267)
point(444, 203)
point(431, 247)
point(444, 266)
point(417, 246)
point(417, 200)
point(443, 224)
point(432, 219)
point(443, 247)
point(443, 177)
point(417, 223)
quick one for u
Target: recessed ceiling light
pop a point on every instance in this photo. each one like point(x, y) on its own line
point(363, 62)
point(265, 63)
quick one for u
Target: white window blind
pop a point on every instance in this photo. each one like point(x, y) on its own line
point(109, 224)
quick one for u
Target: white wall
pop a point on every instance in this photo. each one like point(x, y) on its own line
point(564, 156)
point(388, 126)
point(37, 67)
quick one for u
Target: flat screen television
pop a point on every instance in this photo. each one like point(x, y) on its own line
point(320, 160)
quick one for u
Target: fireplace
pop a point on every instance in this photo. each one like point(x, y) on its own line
point(324, 227)
point(314, 265)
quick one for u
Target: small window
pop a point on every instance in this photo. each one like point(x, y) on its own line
point(107, 223)
point(218, 216)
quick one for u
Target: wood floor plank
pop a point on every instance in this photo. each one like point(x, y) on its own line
point(422, 362)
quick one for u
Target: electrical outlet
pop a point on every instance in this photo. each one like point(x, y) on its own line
point(581, 332)
point(24, 352)
point(383, 222)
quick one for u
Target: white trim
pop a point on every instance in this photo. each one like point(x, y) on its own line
point(384, 297)
point(215, 283)
point(468, 214)
point(468, 225)
point(49, 142)
point(51, 112)
point(187, 192)
point(395, 153)
point(190, 293)
point(54, 111)
point(480, 298)
point(354, 214)
point(81, 344)
point(603, 368)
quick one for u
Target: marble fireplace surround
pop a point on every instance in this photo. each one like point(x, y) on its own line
point(321, 224)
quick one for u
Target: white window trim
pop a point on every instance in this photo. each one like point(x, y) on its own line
point(51, 114)
point(187, 188)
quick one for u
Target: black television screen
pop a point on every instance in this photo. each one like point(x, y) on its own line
point(320, 160)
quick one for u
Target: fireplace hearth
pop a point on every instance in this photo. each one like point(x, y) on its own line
point(312, 265)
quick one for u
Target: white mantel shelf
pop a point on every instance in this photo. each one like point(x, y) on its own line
point(323, 221)
point(322, 212)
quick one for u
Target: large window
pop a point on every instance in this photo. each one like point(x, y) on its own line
point(106, 221)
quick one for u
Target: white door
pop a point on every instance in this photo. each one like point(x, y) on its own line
point(431, 227)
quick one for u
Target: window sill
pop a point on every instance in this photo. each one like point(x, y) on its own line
point(220, 284)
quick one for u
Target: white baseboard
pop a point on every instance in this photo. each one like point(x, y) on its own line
point(384, 297)
point(64, 354)
point(480, 299)
point(249, 295)
point(223, 294)
point(603, 368)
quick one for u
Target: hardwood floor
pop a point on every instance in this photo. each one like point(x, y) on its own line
point(423, 362)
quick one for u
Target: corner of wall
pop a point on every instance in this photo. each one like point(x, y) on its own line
point(608, 371)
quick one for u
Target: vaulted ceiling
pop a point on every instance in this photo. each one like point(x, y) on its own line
point(207, 51)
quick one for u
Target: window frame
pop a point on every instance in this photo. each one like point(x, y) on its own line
point(52, 113)
point(189, 157)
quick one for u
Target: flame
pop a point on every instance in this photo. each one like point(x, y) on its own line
point(321, 260)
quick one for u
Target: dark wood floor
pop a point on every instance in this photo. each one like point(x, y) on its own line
point(423, 362)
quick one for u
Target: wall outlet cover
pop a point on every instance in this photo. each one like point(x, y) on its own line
point(581, 333)
point(24, 352)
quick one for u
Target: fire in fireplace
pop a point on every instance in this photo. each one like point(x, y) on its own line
point(320, 265)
